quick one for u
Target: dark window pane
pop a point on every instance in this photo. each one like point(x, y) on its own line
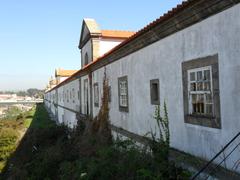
point(207, 75)
point(193, 87)
point(155, 91)
point(199, 75)
point(208, 98)
point(200, 86)
point(192, 76)
point(207, 86)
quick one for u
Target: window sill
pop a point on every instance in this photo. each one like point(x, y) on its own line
point(203, 120)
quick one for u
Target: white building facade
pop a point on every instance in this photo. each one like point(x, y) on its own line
point(188, 58)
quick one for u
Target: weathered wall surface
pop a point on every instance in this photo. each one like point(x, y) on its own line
point(163, 60)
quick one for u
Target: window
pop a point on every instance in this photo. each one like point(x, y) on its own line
point(154, 90)
point(96, 95)
point(67, 96)
point(123, 93)
point(86, 59)
point(73, 95)
point(201, 92)
point(78, 95)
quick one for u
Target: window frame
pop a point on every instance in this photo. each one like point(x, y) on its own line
point(154, 101)
point(200, 92)
point(86, 59)
point(67, 96)
point(73, 95)
point(211, 121)
point(121, 107)
point(96, 99)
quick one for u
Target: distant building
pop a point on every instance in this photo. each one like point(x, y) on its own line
point(94, 42)
point(7, 96)
point(62, 74)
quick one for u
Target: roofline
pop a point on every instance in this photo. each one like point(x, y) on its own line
point(222, 5)
point(99, 35)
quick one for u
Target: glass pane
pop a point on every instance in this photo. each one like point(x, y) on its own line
point(200, 98)
point(200, 86)
point(207, 86)
point(208, 98)
point(194, 108)
point(199, 75)
point(192, 76)
point(123, 101)
point(194, 98)
point(155, 91)
point(201, 108)
point(193, 87)
point(207, 75)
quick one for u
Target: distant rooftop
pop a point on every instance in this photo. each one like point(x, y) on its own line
point(64, 72)
point(116, 34)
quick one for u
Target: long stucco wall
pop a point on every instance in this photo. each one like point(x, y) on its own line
point(163, 60)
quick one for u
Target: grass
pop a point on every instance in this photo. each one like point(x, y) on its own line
point(11, 131)
point(11, 113)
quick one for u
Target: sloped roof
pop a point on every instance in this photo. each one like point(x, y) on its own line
point(116, 34)
point(64, 73)
point(92, 25)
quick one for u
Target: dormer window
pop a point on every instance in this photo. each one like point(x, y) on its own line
point(86, 59)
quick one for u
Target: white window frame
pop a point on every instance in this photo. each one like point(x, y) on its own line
point(123, 93)
point(201, 92)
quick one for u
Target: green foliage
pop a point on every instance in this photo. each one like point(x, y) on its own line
point(33, 92)
point(10, 133)
point(162, 125)
point(8, 139)
point(48, 151)
point(160, 145)
point(12, 113)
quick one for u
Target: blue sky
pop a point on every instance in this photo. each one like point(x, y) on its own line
point(37, 36)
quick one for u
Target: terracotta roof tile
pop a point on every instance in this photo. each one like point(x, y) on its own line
point(117, 34)
point(64, 73)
